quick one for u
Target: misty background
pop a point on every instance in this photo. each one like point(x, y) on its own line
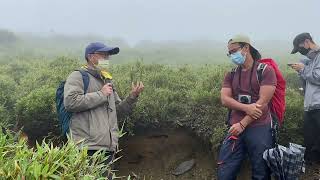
point(166, 31)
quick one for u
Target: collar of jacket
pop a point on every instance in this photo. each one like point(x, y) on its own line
point(313, 53)
point(100, 74)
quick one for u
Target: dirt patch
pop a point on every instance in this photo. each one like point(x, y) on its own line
point(154, 154)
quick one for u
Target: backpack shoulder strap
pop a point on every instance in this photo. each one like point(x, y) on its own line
point(86, 79)
point(260, 70)
point(233, 71)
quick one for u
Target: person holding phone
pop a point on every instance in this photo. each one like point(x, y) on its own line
point(94, 120)
point(309, 72)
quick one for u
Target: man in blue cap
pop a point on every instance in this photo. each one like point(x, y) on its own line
point(94, 120)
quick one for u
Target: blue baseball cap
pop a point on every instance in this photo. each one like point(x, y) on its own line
point(100, 47)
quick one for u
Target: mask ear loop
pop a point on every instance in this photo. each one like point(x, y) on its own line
point(244, 56)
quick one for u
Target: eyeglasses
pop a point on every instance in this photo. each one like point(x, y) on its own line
point(233, 51)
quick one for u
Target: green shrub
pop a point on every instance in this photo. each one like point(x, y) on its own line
point(7, 99)
point(8, 88)
point(36, 113)
point(5, 117)
point(43, 73)
point(182, 95)
point(18, 161)
point(293, 122)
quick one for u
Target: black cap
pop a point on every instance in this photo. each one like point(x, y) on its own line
point(300, 38)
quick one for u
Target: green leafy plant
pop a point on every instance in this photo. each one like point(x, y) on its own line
point(18, 161)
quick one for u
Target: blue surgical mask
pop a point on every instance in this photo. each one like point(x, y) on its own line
point(237, 58)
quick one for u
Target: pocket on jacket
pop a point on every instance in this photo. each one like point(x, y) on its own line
point(98, 128)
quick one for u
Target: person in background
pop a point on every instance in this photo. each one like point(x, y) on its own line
point(309, 73)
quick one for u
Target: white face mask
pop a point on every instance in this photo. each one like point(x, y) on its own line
point(103, 64)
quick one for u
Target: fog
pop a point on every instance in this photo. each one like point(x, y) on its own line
point(163, 20)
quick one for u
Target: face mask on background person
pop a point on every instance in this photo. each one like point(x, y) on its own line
point(237, 58)
point(304, 51)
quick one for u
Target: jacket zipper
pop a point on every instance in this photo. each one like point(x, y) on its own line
point(110, 145)
point(107, 104)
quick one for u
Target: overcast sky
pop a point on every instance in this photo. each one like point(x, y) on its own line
point(136, 20)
